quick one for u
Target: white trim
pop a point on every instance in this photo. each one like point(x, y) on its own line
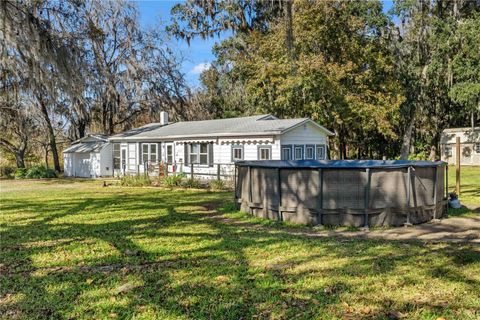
point(307, 120)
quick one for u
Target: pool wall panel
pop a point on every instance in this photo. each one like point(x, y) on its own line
point(341, 196)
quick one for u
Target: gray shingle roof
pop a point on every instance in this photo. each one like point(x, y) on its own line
point(244, 126)
point(90, 143)
point(85, 147)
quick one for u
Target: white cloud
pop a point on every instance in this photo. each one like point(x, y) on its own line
point(199, 68)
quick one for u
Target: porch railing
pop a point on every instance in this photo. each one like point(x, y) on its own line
point(192, 170)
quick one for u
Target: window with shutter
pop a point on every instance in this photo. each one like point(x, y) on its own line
point(298, 152)
point(310, 152)
point(187, 153)
point(210, 154)
point(286, 152)
point(200, 153)
point(320, 152)
point(237, 153)
point(264, 152)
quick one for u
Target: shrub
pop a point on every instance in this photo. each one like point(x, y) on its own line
point(175, 180)
point(217, 184)
point(422, 155)
point(7, 171)
point(192, 183)
point(135, 181)
point(40, 172)
point(21, 173)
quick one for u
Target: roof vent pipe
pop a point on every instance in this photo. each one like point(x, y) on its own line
point(163, 118)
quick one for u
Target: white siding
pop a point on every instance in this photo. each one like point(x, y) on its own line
point(82, 165)
point(468, 155)
point(95, 164)
point(304, 134)
point(106, 160)
point(68, 164)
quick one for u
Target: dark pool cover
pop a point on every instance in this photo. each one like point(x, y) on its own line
point(339, 164)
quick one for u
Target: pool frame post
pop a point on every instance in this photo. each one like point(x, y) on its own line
point(446, 188)
point(320, 197)
point(279, 186)
point(250, 189)
point(409, 188)
point(367, 197)
point(235, 186)
point(435, 194)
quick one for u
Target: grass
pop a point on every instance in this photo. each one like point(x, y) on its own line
point(469, 189)
point(78, 250)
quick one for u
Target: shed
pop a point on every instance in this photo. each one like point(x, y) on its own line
point(89, 157)
point(469, 145)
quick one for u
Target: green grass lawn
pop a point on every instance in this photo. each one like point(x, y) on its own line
point(78, 250)
point(469, 190)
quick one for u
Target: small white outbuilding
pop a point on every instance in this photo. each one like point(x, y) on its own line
point(89, 157)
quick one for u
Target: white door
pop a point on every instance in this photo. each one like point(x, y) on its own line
point(169, 153)
point(132, 157)
point(123, 159)
point(82, 165)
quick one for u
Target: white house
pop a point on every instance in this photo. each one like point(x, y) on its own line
point(212, 143)
point(88, 157)
point(212, 146)
point(469, 145)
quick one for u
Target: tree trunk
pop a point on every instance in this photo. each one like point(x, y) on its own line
point(407, 138)
point(80, 129)
point(20, 159)
point(289, 28)
point(46, 157)
point(51, 133)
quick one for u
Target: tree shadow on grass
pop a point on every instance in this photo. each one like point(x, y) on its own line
point(162, 255)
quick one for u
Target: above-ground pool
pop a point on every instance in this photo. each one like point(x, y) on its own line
point(357, 193)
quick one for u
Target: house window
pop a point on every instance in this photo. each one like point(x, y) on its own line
point(448, 151)
point(149, 152)
point(237, 153)
point(264, 152)
point(310, 152)
point(476, 147)
point(169, 153)
point(286, 152)
point(298, 152)
point(320, 152)
point(198, 153)
point(116, 156)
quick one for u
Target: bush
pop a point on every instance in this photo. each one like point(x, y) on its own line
point(217, 184)
point(21, 173)
point(192, 183)
point(422, 155)
point(40, 172)
point(135, 181)
point(7, 171)
point(36, 172)
point(175, 180)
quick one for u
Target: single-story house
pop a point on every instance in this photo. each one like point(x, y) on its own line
point(214, 145)
point(89, 157)
point(469, 145)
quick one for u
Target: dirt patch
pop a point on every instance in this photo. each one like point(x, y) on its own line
point(458, 229)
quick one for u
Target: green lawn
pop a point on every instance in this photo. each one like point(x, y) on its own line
point(79, 250)
point(469, 184)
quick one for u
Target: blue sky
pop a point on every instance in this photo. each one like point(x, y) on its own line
point(199, 54)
